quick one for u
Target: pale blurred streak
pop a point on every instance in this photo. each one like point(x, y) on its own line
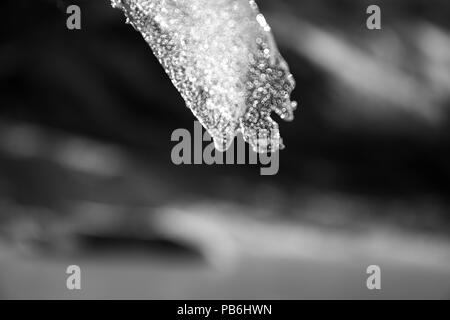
point(434, 44)
point(75, 153)
point(417, 87)
point(227, 231)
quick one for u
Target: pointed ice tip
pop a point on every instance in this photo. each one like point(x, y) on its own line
point(281, 145)
point(222, 144)
point(116, 4)
point(289, 116)
point(294, 105)
point(264, 145)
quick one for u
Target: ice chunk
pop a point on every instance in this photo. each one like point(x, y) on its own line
point(222, 58)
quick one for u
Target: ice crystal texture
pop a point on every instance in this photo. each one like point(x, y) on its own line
point(221, 57)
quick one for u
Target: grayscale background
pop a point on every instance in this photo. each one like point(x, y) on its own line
point(86, 176)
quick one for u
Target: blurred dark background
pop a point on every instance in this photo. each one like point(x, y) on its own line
point(86, 176)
